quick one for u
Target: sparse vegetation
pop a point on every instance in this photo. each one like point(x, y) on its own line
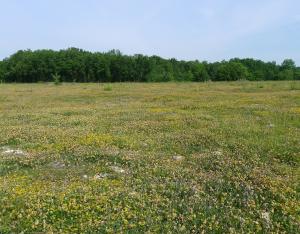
point(158, 158)
point(295, 85)
point(107, 87)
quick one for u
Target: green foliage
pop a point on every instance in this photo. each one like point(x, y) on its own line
point(76, 65)
point(2, 70)
point(297, 74)
point(288, 64)
point(286, 74)
point(199, 72)
point(56, 79)
point(159, 74)
point(232, 71)
point(288, 70)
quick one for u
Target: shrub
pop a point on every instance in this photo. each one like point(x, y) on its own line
point(56, 79)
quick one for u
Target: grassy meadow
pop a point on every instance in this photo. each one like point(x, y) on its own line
point(157, 157)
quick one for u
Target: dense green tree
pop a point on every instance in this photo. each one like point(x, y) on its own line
point(2, 73)
point(288, 64)
point(288, 70)
point(76, 65)
point(286, 74)
point(297, 74)
point(199, 72)
point(232, 71)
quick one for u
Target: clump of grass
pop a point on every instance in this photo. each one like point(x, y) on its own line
point(107, 87)
point(295, 85)
point(259, 85)
point(56, 79)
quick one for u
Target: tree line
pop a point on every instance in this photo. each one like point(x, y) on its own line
point(76, 65)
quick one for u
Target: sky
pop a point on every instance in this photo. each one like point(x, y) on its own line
point(210, 30)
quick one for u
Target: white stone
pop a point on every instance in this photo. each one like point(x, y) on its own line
point(218, 153)
point(178, 157)
point(117, 169)
point(266, 216)
point(9, 151)
point(271, 125)
point(57, 165)
point(101, 176)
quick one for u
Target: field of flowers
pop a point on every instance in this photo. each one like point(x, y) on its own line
point(157, 158)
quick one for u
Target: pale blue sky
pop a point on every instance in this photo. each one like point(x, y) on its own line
point(184, 29)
